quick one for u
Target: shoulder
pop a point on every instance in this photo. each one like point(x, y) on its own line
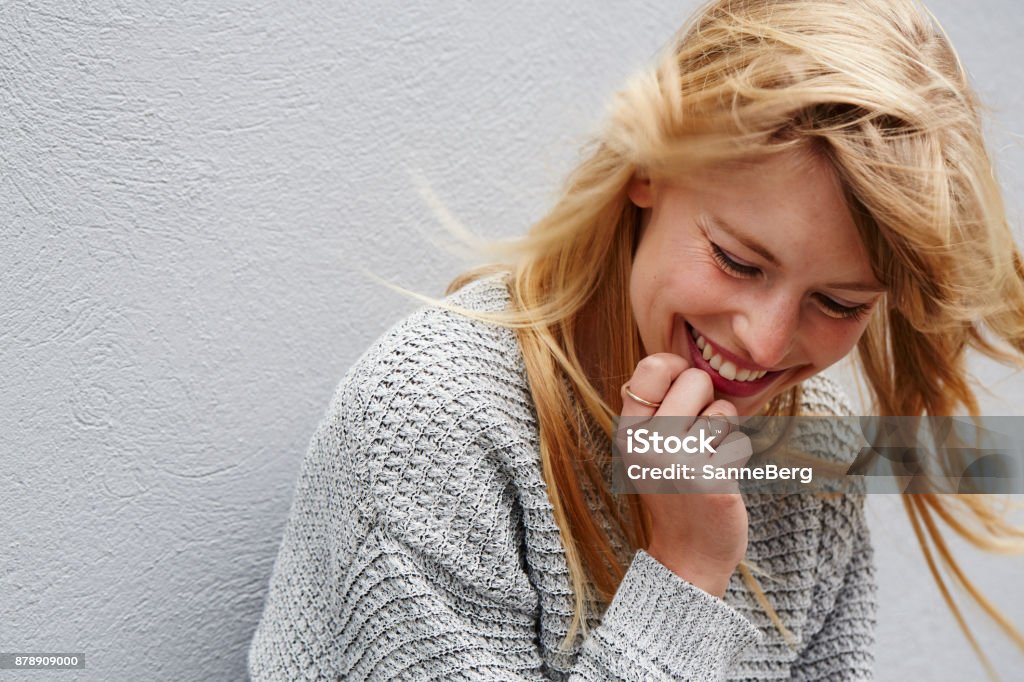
point(423, 431)
point(430, 416)
point(436, 365)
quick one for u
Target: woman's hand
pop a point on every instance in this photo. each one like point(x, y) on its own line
point(701, 534)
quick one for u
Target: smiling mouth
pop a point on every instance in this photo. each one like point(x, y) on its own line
point(726, 375)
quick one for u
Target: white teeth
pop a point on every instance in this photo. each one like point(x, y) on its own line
point(726, 368)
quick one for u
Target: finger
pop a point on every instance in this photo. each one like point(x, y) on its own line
point(721, 408)
point(650, 381)
point(688, 396)
point(721, 418)
point(713, 425)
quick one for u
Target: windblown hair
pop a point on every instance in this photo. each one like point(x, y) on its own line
point(875, 87)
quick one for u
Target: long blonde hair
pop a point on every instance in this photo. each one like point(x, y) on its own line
point(874, 86)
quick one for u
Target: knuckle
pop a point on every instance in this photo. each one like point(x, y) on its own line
point(652, 365)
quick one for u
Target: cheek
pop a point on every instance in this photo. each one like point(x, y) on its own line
point(832, 340)
point(699, 284)
point(676, 276)
point(659, 281)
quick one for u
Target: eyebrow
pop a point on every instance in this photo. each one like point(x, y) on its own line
point(760, 250)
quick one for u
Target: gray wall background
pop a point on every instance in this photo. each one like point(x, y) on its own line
point(189, 193)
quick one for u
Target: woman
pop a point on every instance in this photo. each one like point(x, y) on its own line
point(793, 180)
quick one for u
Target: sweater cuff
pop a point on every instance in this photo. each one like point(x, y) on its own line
point(687, 631)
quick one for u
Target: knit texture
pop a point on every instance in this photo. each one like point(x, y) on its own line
point(421, 543)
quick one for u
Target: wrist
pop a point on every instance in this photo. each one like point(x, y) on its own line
point(713, 578)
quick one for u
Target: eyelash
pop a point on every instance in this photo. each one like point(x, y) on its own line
point(731, 266)
point(832, 309)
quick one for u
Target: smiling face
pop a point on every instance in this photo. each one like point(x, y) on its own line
point(749, 270)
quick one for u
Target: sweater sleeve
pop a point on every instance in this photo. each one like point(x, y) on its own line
point(842, 649)
point(659, 626)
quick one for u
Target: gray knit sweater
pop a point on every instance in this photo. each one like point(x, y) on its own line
point(421, 543)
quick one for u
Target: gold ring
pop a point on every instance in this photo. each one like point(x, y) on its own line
point(713, 425)
point(640, 400)
point(700, 428)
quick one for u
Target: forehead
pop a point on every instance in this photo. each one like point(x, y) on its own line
point(792, 203)
point(795, 174)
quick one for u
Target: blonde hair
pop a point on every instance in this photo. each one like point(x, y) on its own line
point(874, 86)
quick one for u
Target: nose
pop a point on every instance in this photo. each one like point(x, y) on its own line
point(768, 329)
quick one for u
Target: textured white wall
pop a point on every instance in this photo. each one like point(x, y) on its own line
point(188, 192)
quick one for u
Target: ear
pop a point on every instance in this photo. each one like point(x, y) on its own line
point(640, 191)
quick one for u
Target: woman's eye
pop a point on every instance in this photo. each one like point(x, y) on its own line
point(844, 312)
point(830, 306)
point(730, 264)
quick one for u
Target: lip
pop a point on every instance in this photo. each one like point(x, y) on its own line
point(739, 389)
